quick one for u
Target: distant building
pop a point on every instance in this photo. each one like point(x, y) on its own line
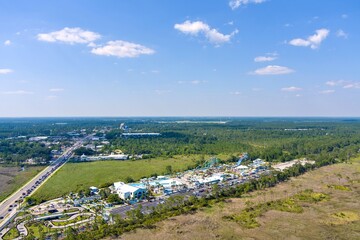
point(211, 180)
point(141, 134)
point(242, 168)
point(258, 162)
point(40, 138)
point(129, 192)
point(94, 190)
point(118, 151)
point(104, 157)
point(56, 152)
point(84, 200)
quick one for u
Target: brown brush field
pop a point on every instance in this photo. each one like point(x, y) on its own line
point(337, 217)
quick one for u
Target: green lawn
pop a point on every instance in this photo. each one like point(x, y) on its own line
point(37, 230)
point(75, 220)
point(11, 234)
point(11, 179)
point(75, 176)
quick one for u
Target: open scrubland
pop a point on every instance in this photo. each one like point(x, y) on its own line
point(321, 204)
point(11, 178)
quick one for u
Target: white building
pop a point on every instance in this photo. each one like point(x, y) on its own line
point(128, 192)
point(94, 190)
point(215, 178)
point(258, 162)
point(40, 138)
point(104, 157)
point(242, 168)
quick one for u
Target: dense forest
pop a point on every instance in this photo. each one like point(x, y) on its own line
point(272, 140)
point(15, 152)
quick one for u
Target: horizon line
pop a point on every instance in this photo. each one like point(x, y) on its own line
point(180, 116)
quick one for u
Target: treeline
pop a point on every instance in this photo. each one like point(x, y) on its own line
point(14, 127)
point(16, 152)
point(272, 141)
point(179, 205)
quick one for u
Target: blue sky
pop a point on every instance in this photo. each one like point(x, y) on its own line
point(180, 58)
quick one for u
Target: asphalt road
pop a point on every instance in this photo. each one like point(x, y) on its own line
point(10, 205)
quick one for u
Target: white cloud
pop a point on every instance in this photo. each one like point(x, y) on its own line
point(162, 92)
point(327, 91)
point(335, 83)
point(312, 41)
point(5, 71)
point(18, 92)
point(264, 59)
point(237, 3)
point(352, 85)
point(92, 44)
point(194, 82)
point(344, 84)
point(273, 70)
point(122, 49)
point(70, 36)
point(291, 89)
point(7, 43)
point(211, 34)
point(235, 93)
point(344, 16)
point(192, 28)
point(51, 97)
point(216, 37)
point(56, 89)
point(342, 34)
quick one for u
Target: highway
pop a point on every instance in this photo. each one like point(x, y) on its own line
point(10, 205)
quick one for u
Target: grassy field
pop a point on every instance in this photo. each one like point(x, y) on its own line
point(336, 216)
point(76, 176)
point(12, 178)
